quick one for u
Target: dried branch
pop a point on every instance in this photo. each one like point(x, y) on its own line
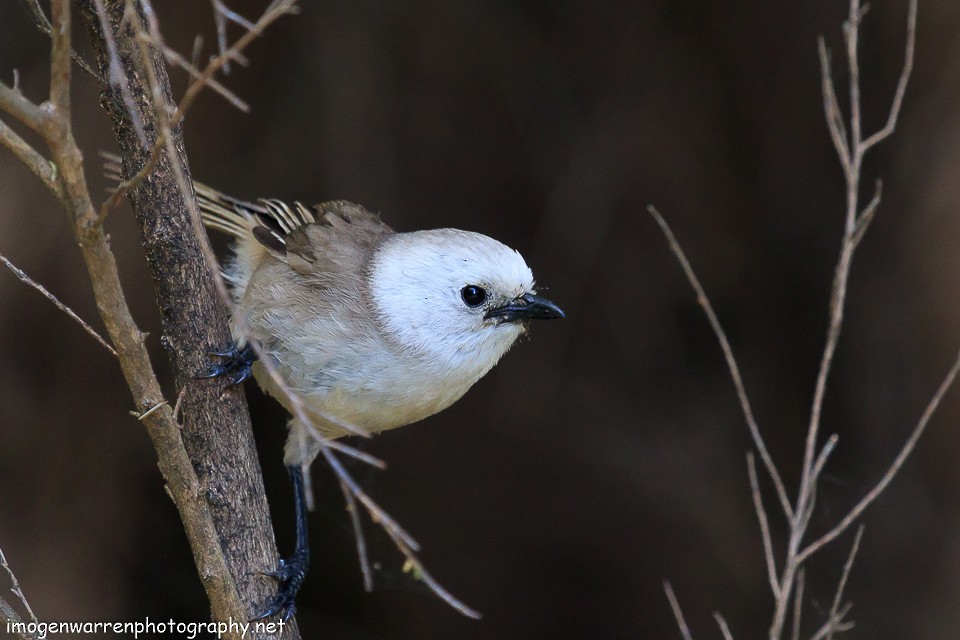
point(358, 536)
point(835, 618)
point(721, 335)
point(677, 613)
point(798, 603)
point(894, 115)
point(15, 588)
point(722, 623)
point(892, 470)
point(30, 157)
point(764, 525)
point(42, 23)
point(851, 147)
point(52, 298)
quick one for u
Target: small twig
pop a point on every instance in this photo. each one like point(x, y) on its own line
point(721, 335)
point(865, 218)
point(23, 277)
point(149, 412)
point(177, 405)
point(764, 526)
point(421, 573)
point(358, 537)
point(677, 613)
point(835, 124)
point(15, 586)
point(40, 166)
point(847, 567)
point(895, 466)
point(834, 625)
point(42, 23)
point(798, 603)
point(722, 623)
point(891, 124)
point(828, 448)
point(175, 58)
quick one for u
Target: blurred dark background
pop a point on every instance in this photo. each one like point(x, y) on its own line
point(606, 453)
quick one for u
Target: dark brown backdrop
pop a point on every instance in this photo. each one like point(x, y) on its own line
point(606, 453)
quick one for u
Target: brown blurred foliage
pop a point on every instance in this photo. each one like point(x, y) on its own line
point(607, 452)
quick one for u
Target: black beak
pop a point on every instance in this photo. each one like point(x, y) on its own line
point(526, 307)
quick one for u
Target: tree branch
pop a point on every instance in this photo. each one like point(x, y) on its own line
point(216, 430)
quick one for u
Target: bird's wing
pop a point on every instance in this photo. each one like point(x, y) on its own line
point(339, 239)
point(328, 238)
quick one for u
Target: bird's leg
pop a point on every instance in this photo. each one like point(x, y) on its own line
point(292, 571)
point(237, 364)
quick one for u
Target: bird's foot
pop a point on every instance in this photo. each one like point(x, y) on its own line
point(236, 367)
point(290, 575)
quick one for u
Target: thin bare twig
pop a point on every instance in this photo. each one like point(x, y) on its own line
point(721, 335)
point(835, 124)
point(894, 115)
point(798, 603)
point(834, 625)
point(838, 596)
point(866, 217)
point(724, 627)
point(825, 452)
point(42, 23)
point(677, 613)
point(851, 147)
point(892, 470)
point(23, 277)
point(30, 157)
point(358, 537)
point(764, 525)
point(15, 586)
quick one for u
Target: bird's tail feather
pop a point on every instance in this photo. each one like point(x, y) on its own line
point(218, 210)
point(225, 213)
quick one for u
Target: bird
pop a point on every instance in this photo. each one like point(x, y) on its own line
point(365, 328)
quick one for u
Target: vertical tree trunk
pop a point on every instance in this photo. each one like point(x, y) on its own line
point(217, 432)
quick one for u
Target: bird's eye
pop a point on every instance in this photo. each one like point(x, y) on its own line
point(473, 295)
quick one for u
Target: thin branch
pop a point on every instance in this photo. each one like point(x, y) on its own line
point(16, 104)
point(175, 58)
point(23, 277)
point(834, 625)
point(851, 32)
point(847, 567)
point(358, 537)
point(798, 603)
point(60, 49)
point(15, 586)
point(677, 613)
point(764, 526)
point(895, 466)
point(888, 128)
point(722, 623)
point(835, 124)
point(828, 448)
point(721, 335)
point(42, 23)
point(30, 157)
point(866, 217)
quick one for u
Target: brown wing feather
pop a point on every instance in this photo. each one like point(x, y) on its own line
point(340, 240)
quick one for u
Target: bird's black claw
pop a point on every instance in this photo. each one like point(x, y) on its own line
point(290, 574)
point(236, 367)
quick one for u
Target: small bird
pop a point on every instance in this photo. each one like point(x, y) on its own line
point(369, 328)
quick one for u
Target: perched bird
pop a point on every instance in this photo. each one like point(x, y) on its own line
point(369, 328)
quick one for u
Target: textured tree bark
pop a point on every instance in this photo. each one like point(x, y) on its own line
point(216, 424)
